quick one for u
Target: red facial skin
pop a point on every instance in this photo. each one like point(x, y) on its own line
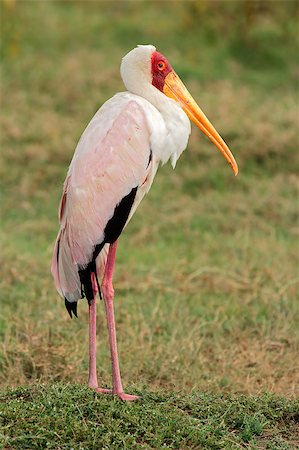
point(160, 69)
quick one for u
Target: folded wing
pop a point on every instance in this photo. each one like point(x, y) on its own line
point(111, 170)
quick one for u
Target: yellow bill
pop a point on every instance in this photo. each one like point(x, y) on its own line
point(175, 89)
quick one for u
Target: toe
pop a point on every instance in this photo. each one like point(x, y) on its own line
point(103, 391)
point(127, 397)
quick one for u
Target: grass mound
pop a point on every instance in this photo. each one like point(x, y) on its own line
point(72, 416)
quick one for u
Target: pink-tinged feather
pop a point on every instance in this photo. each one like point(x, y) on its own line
point(63, 201)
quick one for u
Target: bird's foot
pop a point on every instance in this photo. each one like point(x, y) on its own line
point(127, 397)
point(121, 395)
point(102, 391)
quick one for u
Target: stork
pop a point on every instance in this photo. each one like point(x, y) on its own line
point(113, 167)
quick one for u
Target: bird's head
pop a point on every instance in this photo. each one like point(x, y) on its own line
point(143, 67)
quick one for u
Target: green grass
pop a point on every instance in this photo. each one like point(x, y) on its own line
point(63, 416)
point(206, 279)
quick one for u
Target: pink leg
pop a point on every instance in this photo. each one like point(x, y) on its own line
point(92, 377)
point(108, 294)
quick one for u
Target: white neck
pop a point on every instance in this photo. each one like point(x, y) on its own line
point(136, 74)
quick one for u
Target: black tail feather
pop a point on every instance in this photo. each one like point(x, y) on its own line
point(86, 281)
point(71, 307)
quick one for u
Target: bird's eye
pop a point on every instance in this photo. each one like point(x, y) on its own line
point(161, 65)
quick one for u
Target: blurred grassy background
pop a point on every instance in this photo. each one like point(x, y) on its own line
point(207, 271)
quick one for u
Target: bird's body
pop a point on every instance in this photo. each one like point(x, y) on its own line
point(118, 154)
point(113, 167)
